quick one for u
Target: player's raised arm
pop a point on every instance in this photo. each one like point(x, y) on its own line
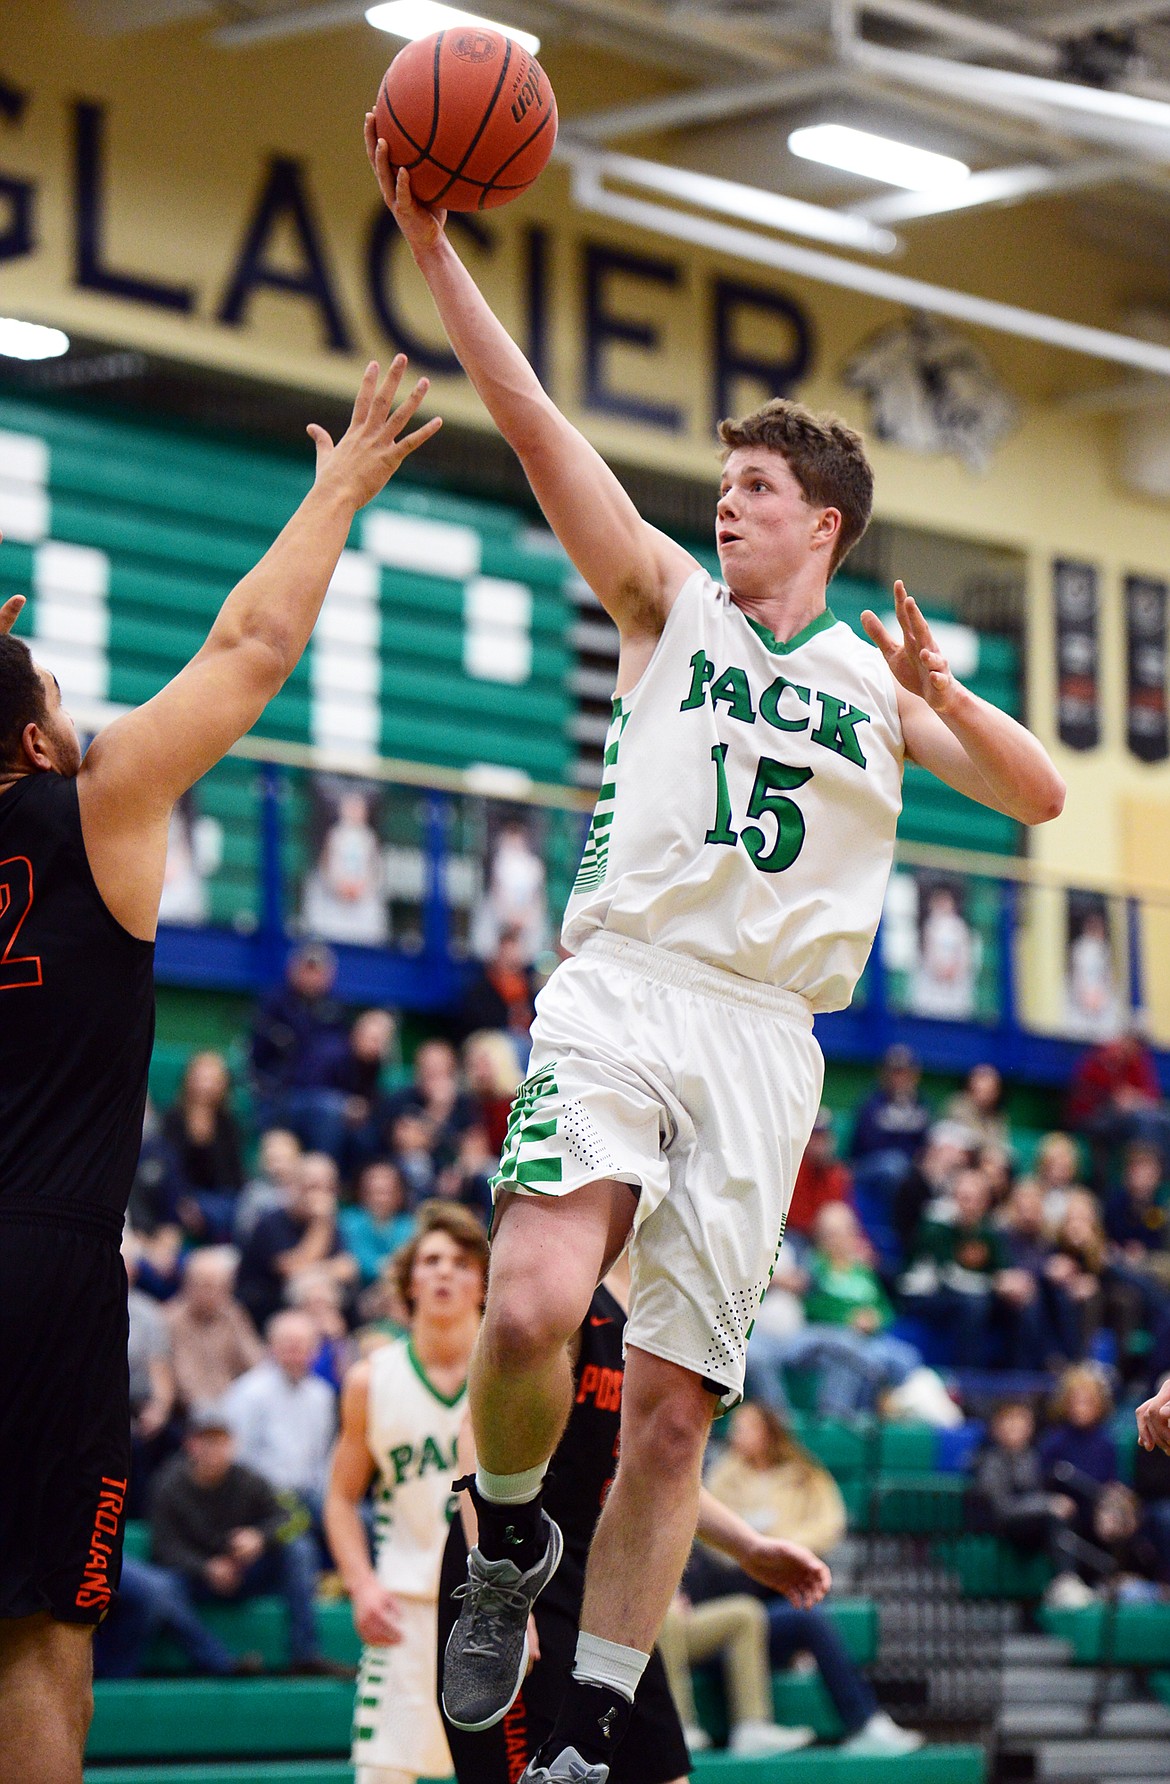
point(972, 746)
point(634, 570)
point(136, 770)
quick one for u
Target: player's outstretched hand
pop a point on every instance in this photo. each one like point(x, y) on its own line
point(421, 225)
point(1153, 1422)
point(376, 1615)
point(373, 445)
point(790, 1568)
point(10, 612)
point(917, 663)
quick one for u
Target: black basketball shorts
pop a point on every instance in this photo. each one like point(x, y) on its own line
point(64, 1412)
point(653, 1751)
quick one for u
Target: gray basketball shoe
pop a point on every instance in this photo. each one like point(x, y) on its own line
point(487, 1650)
point(567, 1768)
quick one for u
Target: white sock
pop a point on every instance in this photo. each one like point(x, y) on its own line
point(510, 1489)
point(599, 1662)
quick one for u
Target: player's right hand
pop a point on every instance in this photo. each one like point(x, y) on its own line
point(421, 225)
point(376, 1616)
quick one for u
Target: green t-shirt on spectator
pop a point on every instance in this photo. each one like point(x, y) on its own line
point(979, 1250)
point(839, 1291)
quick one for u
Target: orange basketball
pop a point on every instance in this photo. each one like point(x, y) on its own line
point(470, 115)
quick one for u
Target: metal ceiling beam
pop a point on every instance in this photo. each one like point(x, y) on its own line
point(292, 21)
point(995, 186)
point(1095, 15)
point(964, 27)
point(707, 105)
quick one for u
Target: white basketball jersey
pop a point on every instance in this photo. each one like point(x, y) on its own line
point(749, 800)
point(413, 1433)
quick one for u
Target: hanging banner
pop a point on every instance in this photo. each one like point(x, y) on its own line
point(1147, 732)
point(1078, 680)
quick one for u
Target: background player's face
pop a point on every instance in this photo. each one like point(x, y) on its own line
point(447, 1280)
point(765, 530)
point(58, 731)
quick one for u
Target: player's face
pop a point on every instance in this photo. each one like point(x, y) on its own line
point(765, 530)
point(59, 731)
point(447, 1281)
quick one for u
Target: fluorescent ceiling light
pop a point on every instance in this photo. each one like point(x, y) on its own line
point(418, 18)
point(876, 157)
point(29, 340)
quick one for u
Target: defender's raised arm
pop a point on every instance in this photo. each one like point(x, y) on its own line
point(634, 570)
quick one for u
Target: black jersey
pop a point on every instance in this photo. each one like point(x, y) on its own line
point(585, 1461)
point(76, 1018)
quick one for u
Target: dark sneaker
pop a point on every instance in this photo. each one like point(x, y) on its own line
point(567, 1768)
point(487, 1650)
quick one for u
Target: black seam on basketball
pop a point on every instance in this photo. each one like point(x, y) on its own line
point(483, 124)
point(403, 131)
point(435, 102)
point(495, 183)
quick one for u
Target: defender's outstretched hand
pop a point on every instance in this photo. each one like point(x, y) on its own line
point(917, 663)
point(373, 445)
point(790, 1568)
point(421, 226)
point(1153, 1421)
point(10, 612)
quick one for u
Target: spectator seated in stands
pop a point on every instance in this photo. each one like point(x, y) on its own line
point(1151, 1483)
point(289, 1240)
point(821, 1179)
point(961, 1284)
point(778, 1488)
point(150, 1210)
point(222, 1534)
point(204, 1141)
point(1137, 1218)
point(374, 1229)
point(152, 1383)
point(297, 1034)
point(315, 1294)
point(272, 1187)
point(1032, 1252)
point(890, 1128)
point(1015, 1504)
point(978, 1107)
point(1112, 1303)
point(845, 1340)
point(152, 1601)
point(436, 1098)
point(212, 1339)
point(409, 1137)
point(356, 1071)
point(947, 1151)
point(502, 994)
point(282, 1416)
point(1115, 1097)
point(733, 1629)
point(467, 1179)
point(492, 1073)
point(1057, 1172)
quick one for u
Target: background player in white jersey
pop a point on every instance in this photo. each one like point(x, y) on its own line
point(731, 885)
point(401, 1412)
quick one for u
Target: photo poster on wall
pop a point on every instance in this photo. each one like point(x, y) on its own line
point(1147, 730)
point(1078, 679)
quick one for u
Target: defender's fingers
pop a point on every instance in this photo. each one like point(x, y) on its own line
point(408, 407)
point(10, 612)
point(365, 394)
point(420, 436)
point(388, 390)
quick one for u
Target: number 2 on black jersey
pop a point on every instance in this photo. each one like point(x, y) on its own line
point(16, 899)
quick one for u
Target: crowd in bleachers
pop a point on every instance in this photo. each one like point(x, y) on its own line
point(940, 1265)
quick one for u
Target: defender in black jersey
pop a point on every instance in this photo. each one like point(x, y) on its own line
point(580, 1474)
point(82, 851)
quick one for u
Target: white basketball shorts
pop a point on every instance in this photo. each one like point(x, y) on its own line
point(700, 1089)
point(396, 1721)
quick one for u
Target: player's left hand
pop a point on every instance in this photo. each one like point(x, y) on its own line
point(373, 445)
point(790, 1568)
point(10, 612)
point(917, 663)
point(1153, 1422)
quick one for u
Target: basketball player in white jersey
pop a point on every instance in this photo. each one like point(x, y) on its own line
point(401, 1412)
point(731, 887)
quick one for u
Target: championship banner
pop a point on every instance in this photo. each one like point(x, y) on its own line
point(1078, 683)
point(1147, 731)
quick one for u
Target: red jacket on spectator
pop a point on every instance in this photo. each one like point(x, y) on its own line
point(1118, 1074)
point(817, 1182)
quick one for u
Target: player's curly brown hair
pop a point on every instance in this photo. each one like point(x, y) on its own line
point(459, 1223)
point(824, 454)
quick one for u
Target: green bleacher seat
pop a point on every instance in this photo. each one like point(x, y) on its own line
point(989, 1568)
point(280, 1771)
point(137, 1539)
point(1128, 1634)
point(222, 1718)
point(260, 1626)
point(932, 1765)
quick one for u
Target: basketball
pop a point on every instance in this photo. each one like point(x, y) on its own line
point(470, 115)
